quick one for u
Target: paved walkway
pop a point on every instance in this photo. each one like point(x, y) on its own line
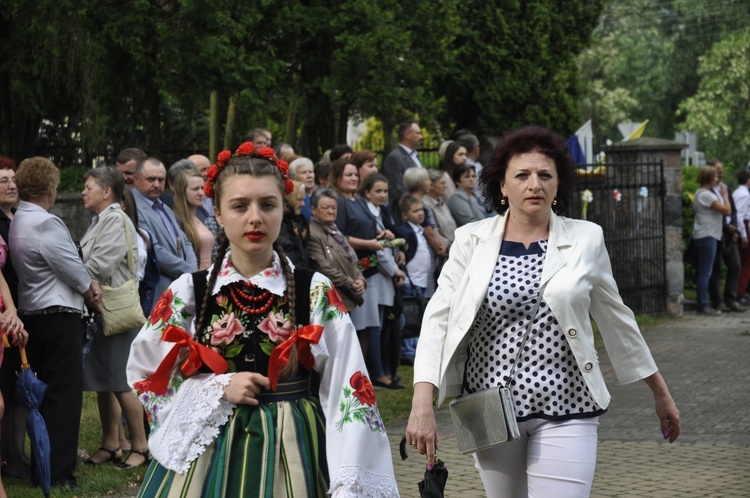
point(706, 363)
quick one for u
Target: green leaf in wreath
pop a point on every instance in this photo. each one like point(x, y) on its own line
point(232, 366)
point(233, 350)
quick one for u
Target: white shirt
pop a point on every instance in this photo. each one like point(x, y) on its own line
point(419, 266)
point(741, 196)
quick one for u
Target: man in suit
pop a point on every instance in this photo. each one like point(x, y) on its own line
point(174, 253)
point(399, 160)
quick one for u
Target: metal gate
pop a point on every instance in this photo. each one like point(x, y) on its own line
point(627, 201)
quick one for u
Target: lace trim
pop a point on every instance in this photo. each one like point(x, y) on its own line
point(353, 481)
point(198, 413)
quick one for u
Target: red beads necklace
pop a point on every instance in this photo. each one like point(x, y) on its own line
point(243, 296)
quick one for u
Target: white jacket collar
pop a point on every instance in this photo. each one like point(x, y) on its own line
point(489, 235)
point(494, 228)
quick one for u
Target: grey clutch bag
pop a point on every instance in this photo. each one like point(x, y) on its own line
point(484, 419)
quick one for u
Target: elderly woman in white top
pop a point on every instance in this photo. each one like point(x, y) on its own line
point(707, 230)
point(105, 255)
point(499, 270)
point(301, 170)
point(52, 286)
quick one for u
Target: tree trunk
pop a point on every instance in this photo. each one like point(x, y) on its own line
point(6, 112)
point(213, 130)
point(153, 119)
point(389, 137)
point(229, 129)
point(290, 128)
point(343, 124)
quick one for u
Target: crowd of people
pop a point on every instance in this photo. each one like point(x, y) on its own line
point(283, 278)
point(720, 237)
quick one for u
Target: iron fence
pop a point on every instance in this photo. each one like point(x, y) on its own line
point(627, 201)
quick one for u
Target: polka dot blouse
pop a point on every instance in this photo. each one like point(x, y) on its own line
point(546, 383)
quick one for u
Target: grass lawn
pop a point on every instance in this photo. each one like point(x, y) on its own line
point(106, 480)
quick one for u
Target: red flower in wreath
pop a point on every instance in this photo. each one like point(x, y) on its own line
point(223, 158)
point(208, 189)
point(245, 149)
point(266, 152)
point(364, 263)
point(283, 167)
point(288, 185)
point(363, 390)
point(335, 300)
point(162, 309)
point(213, 172)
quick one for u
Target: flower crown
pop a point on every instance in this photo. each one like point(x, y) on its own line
point(247, 149)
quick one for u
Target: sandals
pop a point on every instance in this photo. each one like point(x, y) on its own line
point(146, 460)
point(112, 456)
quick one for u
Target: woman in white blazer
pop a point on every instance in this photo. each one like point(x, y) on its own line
point(474, 324)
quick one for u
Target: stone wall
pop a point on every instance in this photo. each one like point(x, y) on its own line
point(69, 207)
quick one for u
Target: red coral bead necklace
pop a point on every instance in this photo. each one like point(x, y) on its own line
point(247, 302)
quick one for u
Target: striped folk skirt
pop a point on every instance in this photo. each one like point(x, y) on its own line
point(275, 449)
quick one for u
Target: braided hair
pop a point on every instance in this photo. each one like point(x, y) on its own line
point(201, 317)
point(289, 295)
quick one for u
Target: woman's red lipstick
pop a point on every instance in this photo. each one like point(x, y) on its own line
point(255, 235)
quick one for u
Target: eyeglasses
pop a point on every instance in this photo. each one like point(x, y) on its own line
point(6, 181)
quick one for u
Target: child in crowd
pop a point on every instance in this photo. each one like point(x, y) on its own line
point(417, 261)
point(417, 251)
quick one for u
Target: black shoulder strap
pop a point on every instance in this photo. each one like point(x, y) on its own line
point(302, 279)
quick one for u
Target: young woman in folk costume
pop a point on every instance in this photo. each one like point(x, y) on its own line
point(223, 366)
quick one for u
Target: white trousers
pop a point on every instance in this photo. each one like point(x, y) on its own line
point(551, 459)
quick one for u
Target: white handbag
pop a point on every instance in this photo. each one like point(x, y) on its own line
point(122, 305)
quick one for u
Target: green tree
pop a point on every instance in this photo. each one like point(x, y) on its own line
point(720, 110)
point(643, 59)
point(625, 70)
point(514, 64)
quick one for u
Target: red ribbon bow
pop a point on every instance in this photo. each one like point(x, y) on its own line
point(302, 337)
point(198, 355)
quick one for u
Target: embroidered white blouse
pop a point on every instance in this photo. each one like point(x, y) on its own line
point(189, 415)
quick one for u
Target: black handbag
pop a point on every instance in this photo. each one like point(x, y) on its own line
point(413, 309)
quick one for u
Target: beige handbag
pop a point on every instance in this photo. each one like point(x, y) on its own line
point(122, 305)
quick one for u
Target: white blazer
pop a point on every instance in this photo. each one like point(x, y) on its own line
point(579, 281)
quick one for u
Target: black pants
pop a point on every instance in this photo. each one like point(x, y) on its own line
point(54, 353)
point(726, 251)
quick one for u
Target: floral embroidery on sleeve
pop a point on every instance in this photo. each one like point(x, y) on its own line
point(162, 310)
point(358, 404)
point(152, 403)
point(169, 309)
point(325, 302)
